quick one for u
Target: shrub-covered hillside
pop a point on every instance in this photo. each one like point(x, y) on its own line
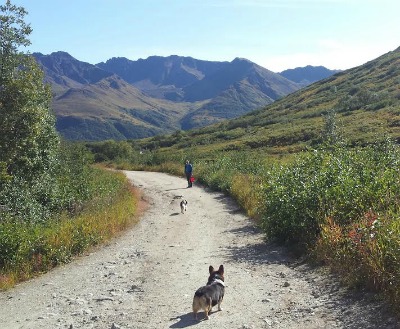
point(366, 100)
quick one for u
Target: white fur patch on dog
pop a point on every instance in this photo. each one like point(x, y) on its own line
point(183, 205)
point(219, 281)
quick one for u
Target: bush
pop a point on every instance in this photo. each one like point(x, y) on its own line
point(337, 183)
point(27, 248)
point(65, 187)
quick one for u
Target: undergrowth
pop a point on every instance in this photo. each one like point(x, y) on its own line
point(30, 248)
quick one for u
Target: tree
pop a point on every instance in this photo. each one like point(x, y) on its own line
point(14, 34)
point(332, 136)
point(28, 138)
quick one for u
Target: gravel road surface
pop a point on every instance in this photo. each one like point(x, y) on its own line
point(146, 278)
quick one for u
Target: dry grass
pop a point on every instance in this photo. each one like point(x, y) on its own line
point(44, 246)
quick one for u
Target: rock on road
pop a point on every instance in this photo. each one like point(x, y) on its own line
point(146, 278)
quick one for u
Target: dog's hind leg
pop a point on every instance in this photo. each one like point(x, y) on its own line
point(219, 305)
point(196, 307)
point(207, 309)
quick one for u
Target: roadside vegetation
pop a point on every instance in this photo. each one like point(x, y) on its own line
point(29, 247)
point(54, 204)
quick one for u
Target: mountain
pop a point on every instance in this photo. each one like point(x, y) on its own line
point(308, 74)
point(230, 89)
point(162, 77)
point(63, 71)
point(271, 84)
point(93, 104)
point(233, 89)
point(124, 99)
point(364, 100)
point(113, 109)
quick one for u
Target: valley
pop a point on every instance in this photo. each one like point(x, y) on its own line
point(122, 99)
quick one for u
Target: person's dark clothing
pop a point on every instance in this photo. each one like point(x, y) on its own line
point(188, 173)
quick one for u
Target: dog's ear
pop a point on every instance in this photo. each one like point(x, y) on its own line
point(221, 269)
point(211, 269)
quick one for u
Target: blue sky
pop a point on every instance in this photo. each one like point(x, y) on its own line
point(276, 34)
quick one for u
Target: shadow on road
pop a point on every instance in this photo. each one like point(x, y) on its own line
point(357, 308)
point(231, 205)
point(258, 253)
point(175, 189)
point(185, 321)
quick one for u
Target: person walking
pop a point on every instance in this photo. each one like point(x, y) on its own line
point(188, 172)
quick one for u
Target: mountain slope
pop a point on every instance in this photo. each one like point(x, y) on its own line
point(229, 104)
point(112, 108)
point(233, 90)
point(123, 99)
point(271, 84)
point(63, 71)
point(365, 100)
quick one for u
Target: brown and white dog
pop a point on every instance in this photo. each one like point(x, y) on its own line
point(183, 205)
point(211, 294)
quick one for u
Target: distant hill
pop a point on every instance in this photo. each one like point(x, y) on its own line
point(365, 101)
point(114, 109)
point(124, 99)
point(308, 74)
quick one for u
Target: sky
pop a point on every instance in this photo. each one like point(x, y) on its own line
point(276, 34)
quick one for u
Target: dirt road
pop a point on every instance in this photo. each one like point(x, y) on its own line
point(146, 278)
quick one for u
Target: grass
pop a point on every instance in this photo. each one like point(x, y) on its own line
point(29, 249)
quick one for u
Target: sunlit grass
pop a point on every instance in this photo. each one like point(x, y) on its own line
point(29, 249)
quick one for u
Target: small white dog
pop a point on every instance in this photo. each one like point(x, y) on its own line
point(183, 206)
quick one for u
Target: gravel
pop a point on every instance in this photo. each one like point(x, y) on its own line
point(146, 278)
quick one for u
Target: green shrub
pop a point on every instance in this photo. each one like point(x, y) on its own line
point(65, 187)
point(338, 183)
point(31, 247)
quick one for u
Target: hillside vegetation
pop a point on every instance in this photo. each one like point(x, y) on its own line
point(366, 100)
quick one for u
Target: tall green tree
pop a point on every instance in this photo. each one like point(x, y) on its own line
point(28, 138)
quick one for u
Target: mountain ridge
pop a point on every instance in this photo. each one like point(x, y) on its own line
point(189, 93)
point(308, 74)
point(364, 102)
